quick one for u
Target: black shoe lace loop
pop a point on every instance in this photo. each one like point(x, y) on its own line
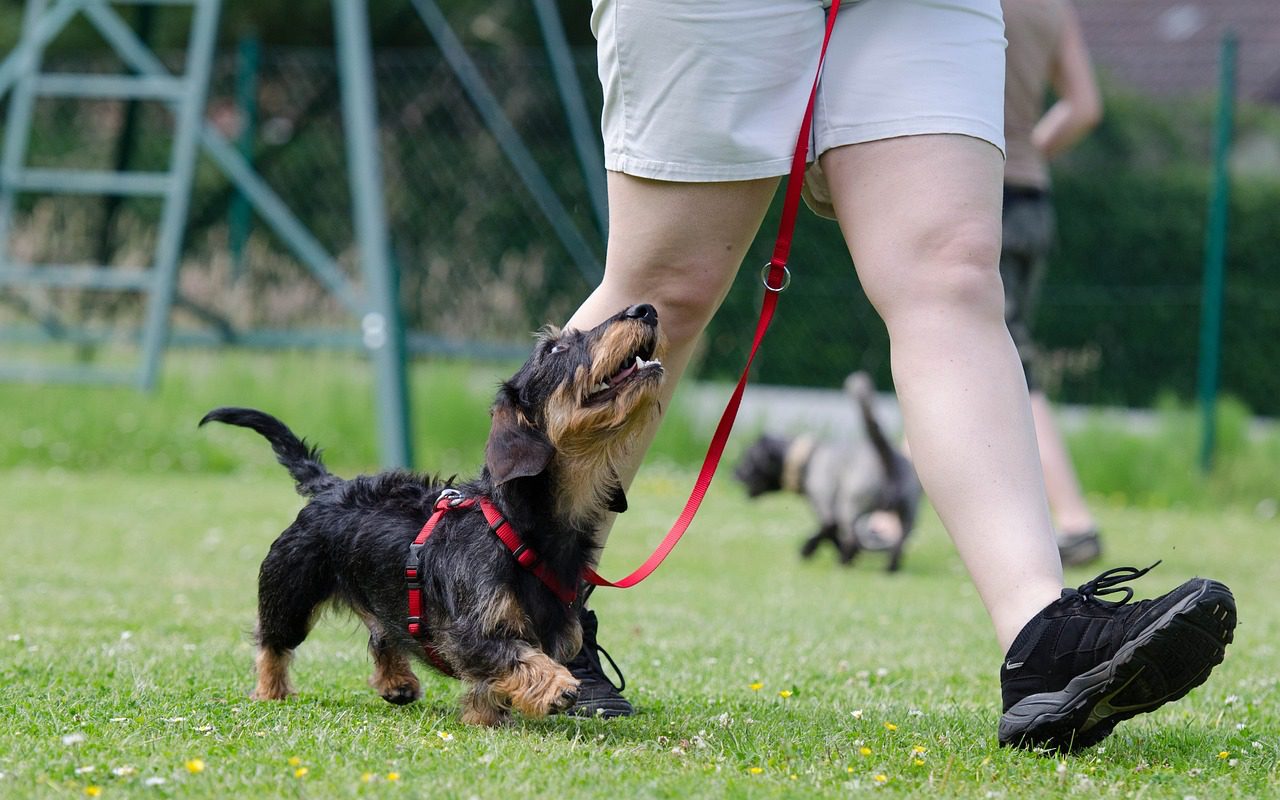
point(622, 681)
point(1109, 582)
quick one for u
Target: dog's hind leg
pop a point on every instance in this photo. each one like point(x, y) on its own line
point(292, 583)
point(825, 533)
point(393, 678)
point(847, 543)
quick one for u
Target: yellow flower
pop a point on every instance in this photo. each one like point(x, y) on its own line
point(755, 770)
point(757, 686)
point(889, 726)
point(849, 770)
point(294, 761)
point(881, 778)
point(300, 771)
point(1224, 755)
point(784, 693)
point(195, 765)
point(93, 791)
point(866, 751)
point(918, 749)
point(393, 776)
point(366, 777)
point(919, 762)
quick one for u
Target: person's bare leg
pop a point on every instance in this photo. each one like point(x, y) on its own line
point(922, 218)
point(678, 247)
point(1066, 499)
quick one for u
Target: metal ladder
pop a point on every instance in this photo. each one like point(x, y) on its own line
point(183, 94)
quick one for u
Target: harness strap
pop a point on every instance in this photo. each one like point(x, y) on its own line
point(525, 556)
point(776, 276)
point(413, 584)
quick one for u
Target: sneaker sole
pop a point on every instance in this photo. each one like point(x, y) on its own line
point(1169, 658)
point(606, 709)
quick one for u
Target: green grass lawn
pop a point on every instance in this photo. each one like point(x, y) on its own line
point(126, 600)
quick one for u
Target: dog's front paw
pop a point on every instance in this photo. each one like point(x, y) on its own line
point(482, 706)
point(565, 701)
point(539, 686)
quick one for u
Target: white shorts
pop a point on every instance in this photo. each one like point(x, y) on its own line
point(714, 90)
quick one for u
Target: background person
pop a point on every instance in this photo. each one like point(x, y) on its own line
point(1046, 49)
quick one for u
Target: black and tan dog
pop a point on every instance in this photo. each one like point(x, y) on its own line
point(559, 427)
point(865, 494)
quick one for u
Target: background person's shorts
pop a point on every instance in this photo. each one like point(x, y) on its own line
point(714, 90)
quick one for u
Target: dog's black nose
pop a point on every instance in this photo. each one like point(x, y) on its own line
point(643, 312)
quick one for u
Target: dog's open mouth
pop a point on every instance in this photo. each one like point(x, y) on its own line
point(640, 364)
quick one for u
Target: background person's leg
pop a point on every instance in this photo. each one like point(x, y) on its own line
point(921, 215)
point(1066, 498)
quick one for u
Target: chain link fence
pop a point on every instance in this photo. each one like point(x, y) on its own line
point(481, 267)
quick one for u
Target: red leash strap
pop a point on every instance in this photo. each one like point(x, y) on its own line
point(776, 278)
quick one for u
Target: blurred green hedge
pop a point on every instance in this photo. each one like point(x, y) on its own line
point(1119, 315)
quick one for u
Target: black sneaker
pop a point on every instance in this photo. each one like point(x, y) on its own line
point(1078, 549)
point(1082, 665)
point(597, 695)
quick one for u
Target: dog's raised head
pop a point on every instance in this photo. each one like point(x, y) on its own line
point(574, 410)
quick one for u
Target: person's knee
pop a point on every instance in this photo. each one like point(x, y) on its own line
point(953, 269)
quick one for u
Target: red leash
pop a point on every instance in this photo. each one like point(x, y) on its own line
point(776, 278)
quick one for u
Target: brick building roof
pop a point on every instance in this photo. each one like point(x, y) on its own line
point(1171, 47)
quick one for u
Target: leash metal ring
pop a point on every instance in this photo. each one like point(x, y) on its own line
point(764, 278)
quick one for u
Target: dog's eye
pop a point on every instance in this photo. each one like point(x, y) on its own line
point(560, 348)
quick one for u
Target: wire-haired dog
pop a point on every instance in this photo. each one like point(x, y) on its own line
point(846, 484)
point(559, 427)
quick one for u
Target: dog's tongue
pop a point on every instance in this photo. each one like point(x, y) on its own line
point(623, 374)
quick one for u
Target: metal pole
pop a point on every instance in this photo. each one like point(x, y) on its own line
point(240, 215)
point(381, 324)
point(1215, 250)
point(585, 142)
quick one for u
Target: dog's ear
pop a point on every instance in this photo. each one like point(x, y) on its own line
point(516, 449)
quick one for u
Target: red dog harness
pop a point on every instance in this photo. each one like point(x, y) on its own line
point(452, 500)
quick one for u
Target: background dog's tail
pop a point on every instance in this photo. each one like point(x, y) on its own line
point(859, 385)
point(302, 461)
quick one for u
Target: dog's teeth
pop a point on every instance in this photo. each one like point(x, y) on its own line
point(599, 387)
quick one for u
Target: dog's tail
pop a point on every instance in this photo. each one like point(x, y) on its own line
point(859, 385)
point(302, 461)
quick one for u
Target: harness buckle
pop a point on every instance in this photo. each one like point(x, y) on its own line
point(521, 552)
point(449, 498)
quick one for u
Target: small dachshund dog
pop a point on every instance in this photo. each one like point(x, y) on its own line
point(855, 489)
point(559, 428)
